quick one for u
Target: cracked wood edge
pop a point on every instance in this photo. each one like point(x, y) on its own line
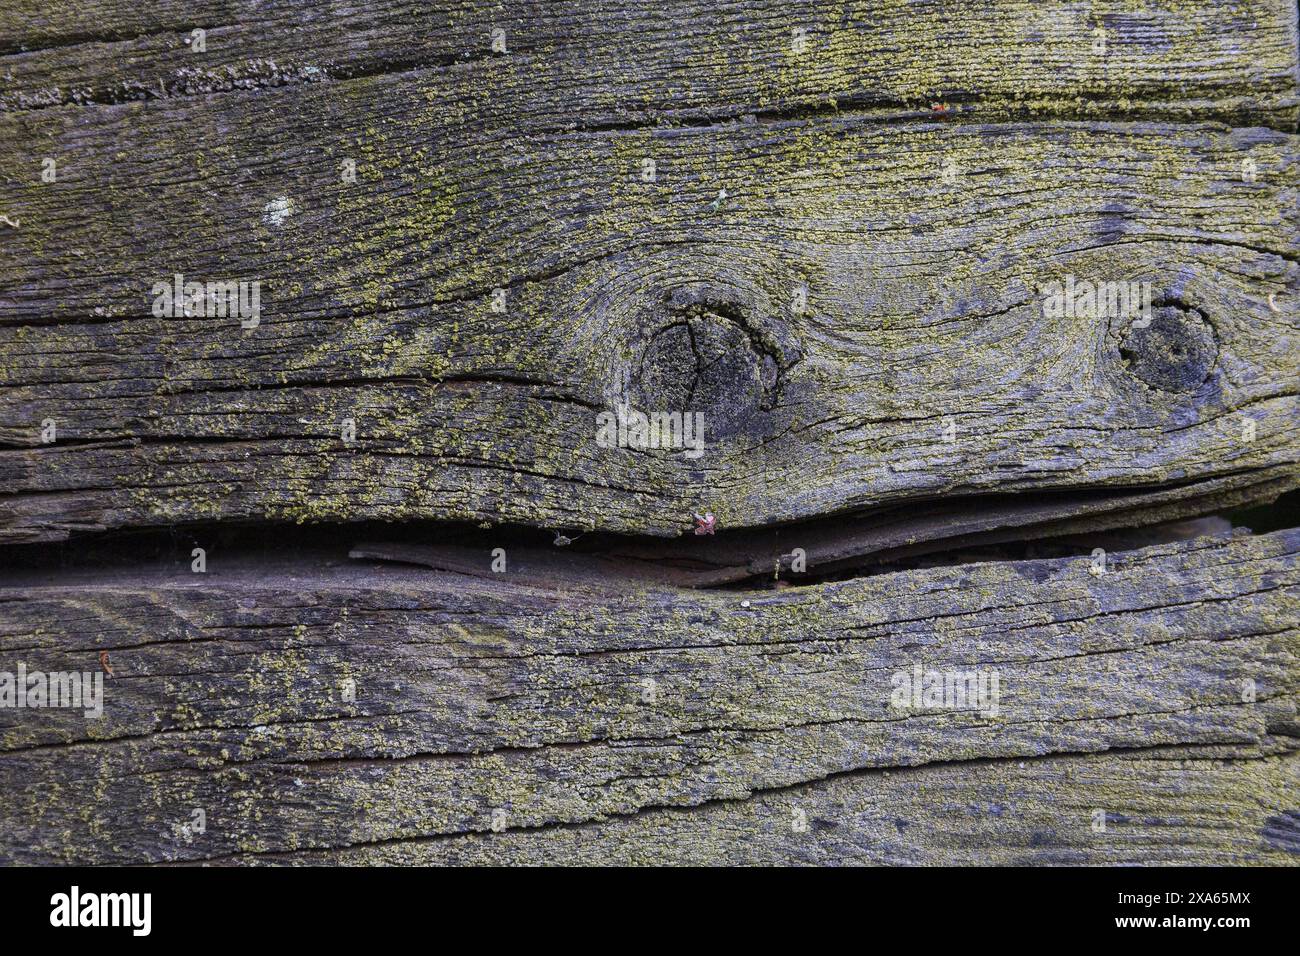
point(622, 63)
point(378, 309)
point(845, 543)
point(472, 695)
point(1194, 806)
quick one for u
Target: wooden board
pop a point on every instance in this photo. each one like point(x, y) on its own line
point(621, 63)
point(465, 414)
point(922, 305)
point(567, 706)
point(832, 230)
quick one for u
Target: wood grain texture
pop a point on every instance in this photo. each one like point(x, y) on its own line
point(377, 308)
point(835, 246)
point(1187, 807)
point(475, 695)
point(621, 62)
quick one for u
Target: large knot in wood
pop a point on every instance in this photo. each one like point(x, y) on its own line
point(1172, 349)
point(706, 356)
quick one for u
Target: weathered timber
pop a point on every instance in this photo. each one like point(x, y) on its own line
point(829, 229)
point(1186, 807)
point(571, 706)
point(923, 320)
point(921, 241)
point(683, 60)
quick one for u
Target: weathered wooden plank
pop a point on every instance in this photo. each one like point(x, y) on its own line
point(847, 284)
point(566, 705)
point(1190, 808)
point(923, 319)
point(629, 63)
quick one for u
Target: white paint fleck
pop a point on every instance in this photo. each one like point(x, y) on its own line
point(277, 211)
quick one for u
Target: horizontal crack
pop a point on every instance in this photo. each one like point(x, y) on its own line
point(701, 806)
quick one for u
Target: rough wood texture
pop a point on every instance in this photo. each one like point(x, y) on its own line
point(838, 257)
point(1189, 806)
point(922, 307)
point(461, 415)
point(628, 62)
point(474, 695)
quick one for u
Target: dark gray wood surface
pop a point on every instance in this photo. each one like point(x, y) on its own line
point(568, 705)
point(840, 260)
